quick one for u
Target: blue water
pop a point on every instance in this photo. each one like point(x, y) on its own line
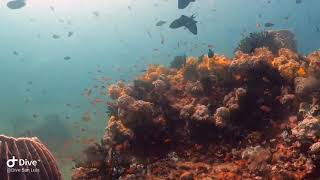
point(41, 92)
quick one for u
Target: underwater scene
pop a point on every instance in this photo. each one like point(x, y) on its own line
point(159, 89)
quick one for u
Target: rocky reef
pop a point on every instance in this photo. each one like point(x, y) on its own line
point(255, 116)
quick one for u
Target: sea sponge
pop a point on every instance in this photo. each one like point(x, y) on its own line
point(189, 71)
point(136, 114)
point(201, 114)
point(119, 89)
point(314, 63)
point(114, 91)
point(194, 88)
point(216, 65)
point(244, 66)
point(187, 111)
point(222, 117)
point(125, 101)
point(288, 64)
point(257, 157)
point(154, 72)
point(304, 87)
point(116, 132)
point(30, 149)
point(262, 53)
point(160, 86)
point(233, 100)
point(315, 148)
point(308, 129)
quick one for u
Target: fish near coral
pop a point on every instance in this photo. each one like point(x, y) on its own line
point(210, 53)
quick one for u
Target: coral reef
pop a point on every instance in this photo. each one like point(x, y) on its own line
point(255, 116)
point(30, 149)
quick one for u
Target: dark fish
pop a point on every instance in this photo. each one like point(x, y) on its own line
point(298, 1)
point(149, 34)
point(184, 3)
point(210, 53)
point(55, 36)
point(162, 38)
point(187, 22)
point(160, 23)
point(96, 13)
point(35, 115)
point(70, 34)
point(268, 24)
point(67, 58)
point(15, 53)
point(16, 4)
point(60, 20)
point(317, 29)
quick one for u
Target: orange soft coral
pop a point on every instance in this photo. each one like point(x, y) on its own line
point(214, 63)
point(117, 90)
point(154, 72)
point(288, 64)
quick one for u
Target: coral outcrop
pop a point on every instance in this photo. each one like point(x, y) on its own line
point(255, 116)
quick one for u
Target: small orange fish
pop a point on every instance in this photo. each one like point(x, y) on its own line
point(237, 77)
point(97, 100)
point(265, 108)
point(88, 141)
